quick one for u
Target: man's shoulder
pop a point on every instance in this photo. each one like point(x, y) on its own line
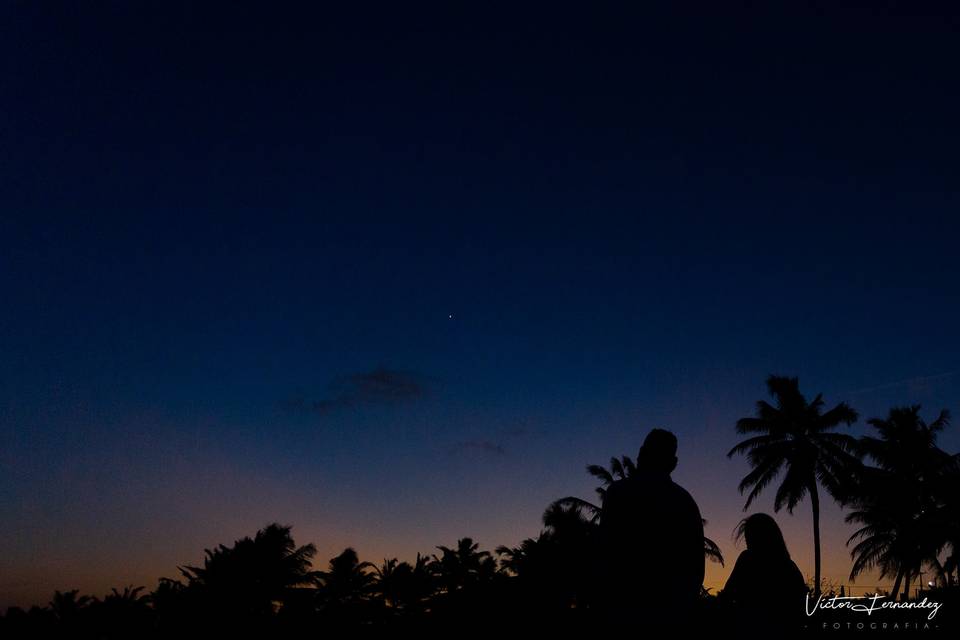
point(682, 496)
point(680, 491)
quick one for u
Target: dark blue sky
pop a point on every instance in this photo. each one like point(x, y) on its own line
point(232, 240)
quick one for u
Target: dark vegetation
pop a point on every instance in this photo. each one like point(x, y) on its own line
point(899, 488)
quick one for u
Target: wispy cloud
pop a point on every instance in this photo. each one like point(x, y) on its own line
point(379, 387)
point(919, 381)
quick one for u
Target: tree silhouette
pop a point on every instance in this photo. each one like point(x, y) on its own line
point(171, 603)
point(346, 582)
point(711, 550)
point(67, 606)
point(796, 436)
point(124, 613)
point(402, 585)
point(620, 469)
point(255, 576)
point(529, 559)
point(130, 596)
point(903, 504)
point(463, 565)
point(389, 577)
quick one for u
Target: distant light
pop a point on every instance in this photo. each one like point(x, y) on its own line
point(450, 316)
point(930, 584)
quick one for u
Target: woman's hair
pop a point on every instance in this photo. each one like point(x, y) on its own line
point(763, 536)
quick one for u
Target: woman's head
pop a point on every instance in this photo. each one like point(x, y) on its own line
point(762, 535)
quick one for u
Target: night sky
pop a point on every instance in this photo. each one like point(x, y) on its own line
point(396, 276)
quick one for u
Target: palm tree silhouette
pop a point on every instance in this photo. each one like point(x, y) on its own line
point(903, 504)
point(129, 596)
point(797, 436)
point(125, 612)
point(620, 469)
point(463, 565)
point(711, 550)
point(404, 586)
point(388, 577)
point(529, 558)
point(256, 575)
point(67, 605)
point(554, 569)
point(347, 581)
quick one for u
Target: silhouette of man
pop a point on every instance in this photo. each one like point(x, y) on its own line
point(652, 540)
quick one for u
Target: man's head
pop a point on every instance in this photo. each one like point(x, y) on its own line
point(659, 452)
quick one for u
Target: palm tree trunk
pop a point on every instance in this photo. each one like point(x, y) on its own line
point(906, 585)
point(815, 505)
point(896, 583)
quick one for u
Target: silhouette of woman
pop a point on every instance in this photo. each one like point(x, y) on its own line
point(765, 588)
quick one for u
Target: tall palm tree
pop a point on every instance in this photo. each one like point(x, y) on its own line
point(906, 505)
point(796, 436)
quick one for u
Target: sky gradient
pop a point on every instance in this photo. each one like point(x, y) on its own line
point(396, 278)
